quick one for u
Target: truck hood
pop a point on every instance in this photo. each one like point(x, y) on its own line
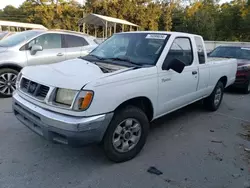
point(70, 74)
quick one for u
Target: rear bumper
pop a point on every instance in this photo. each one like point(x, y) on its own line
point(58, 127)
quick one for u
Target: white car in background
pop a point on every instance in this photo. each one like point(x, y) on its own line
point(35, 47)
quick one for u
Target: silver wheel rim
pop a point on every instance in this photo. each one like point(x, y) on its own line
point(217, 97)
point(126, 135)
point(7, 83)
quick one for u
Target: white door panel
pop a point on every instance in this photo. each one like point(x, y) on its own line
point(72, 53)
point(52, 49)
point(176, 89)
point(46, 56)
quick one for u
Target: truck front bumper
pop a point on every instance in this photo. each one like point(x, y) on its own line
point(60, 128)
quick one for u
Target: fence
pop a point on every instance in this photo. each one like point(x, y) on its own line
point(210, 45)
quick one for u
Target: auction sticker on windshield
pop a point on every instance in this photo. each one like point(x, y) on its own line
point(156, 36)
point(245, 48)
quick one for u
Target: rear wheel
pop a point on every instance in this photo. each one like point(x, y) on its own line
point(7, 82)
point(213, 101)
point(246, 89)
point(126, 134)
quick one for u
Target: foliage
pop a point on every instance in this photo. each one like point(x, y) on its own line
point(214, 21)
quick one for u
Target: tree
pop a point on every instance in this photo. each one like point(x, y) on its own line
point(55, 14)
point(228, 21)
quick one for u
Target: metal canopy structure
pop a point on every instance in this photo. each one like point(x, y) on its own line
point(104, 21)
point(19, 25)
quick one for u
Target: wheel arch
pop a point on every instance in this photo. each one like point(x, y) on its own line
point(11, 66)
point(224, 80)
point(142, 102)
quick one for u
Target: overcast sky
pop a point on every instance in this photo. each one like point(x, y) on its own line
point(16, 3)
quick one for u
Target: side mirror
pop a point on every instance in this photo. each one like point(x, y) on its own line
point(175, 64)
point(35, 48)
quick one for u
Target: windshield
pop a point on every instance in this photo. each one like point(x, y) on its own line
point(17, 38)
point(137, 48)
point(231, 52)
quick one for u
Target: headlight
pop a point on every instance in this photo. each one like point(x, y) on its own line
point(83, 100)
point(65, 96)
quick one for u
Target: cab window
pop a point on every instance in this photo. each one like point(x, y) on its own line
point(74, 41)
point(47, 41)
point(181, 49)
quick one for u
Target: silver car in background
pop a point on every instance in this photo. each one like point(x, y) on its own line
point(5, 34)
point(36, 47)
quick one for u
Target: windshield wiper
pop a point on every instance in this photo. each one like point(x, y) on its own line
point(124, 59)
point(96, 56)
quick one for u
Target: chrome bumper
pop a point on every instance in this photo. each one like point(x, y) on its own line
point(58, 127)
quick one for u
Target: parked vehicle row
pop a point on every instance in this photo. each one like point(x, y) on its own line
point(242, 54)
point(111, 95)
point(36, 47)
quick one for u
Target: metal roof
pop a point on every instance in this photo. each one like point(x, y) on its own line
point(100, 20)
point(19, 24)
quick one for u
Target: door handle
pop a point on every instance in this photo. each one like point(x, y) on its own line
point(60, 54)
point(194, 72)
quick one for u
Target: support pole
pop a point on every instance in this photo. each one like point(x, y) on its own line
point(83, 27)
point(115, 28)
point(130, 28)
point(122, 27)
point(106, 29)
point(0, 28)
point(110, 31)
point(95, 32)
point(103, 36)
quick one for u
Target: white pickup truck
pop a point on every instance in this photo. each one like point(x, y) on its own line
point(112, 95)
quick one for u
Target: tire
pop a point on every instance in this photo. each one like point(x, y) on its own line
point(130, 115)
point(210, 102)
point(7, 82)
point(246, 89)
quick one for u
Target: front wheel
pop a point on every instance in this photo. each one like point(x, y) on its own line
point(213, 101)
point(126, 134)
point(7, 82)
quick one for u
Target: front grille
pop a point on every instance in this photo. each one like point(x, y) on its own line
point(43, 91)
point(34, 89)
point(25, 83)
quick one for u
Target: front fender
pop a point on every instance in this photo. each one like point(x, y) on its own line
point(109, 96)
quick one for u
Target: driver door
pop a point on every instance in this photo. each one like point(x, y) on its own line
point(52, 49)
point(178, 89)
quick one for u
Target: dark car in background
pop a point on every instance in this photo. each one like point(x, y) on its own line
point(242, 54)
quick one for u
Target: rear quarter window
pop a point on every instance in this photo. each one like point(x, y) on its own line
point(200, 50)
point(72, 41)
